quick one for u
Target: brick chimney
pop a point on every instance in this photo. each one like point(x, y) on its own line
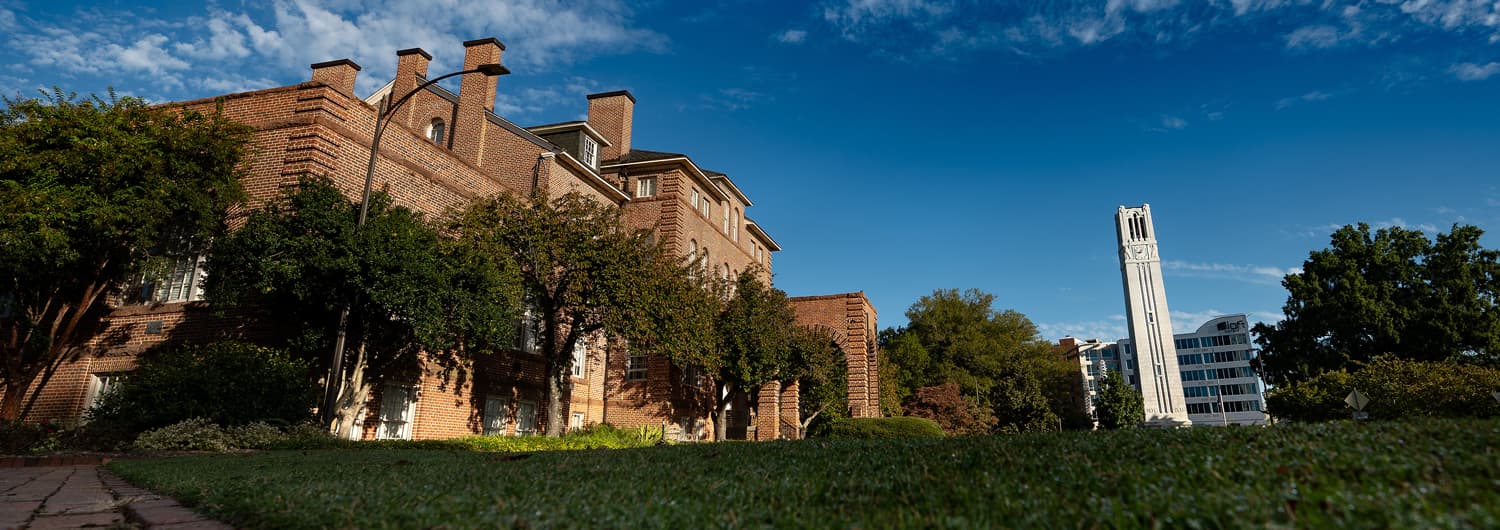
point(611, 113)
point(410, 63)
point(476, 97)
point(337, 74)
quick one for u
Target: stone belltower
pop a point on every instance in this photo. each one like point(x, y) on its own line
point(1146, 314)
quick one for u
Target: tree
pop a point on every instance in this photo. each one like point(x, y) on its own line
point(298, 262)
point(822, 375)
point(997, 359)
point(1396, 388)
point(1118, 404)
point(584, 273)
point(1393, 292)
point(956, 415)
point(758, 335)
point(90, 193)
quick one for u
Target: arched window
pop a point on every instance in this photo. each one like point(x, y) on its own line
point(736, 225)
point(705, 263)
point(692, 256)
point(436, 130)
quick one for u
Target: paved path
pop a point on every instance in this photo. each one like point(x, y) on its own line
point(83, 496)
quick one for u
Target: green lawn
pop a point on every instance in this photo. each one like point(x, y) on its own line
point(1405, 475)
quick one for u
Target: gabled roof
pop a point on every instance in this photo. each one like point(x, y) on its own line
point(646, 157)
point(756, 230)
point(570, 125)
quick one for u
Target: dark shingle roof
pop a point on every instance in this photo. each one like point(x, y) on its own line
point(642, 155)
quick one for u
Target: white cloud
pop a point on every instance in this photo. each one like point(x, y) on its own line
point(1320, 36)
point(1260, 274)
point(281, 38)
point(1108, 330)
point(1474, 72)
point(1316, 95)
point(1398, 222)
point(791, 36)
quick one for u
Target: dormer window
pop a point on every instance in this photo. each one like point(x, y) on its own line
point(590, 151)
point(436, 130)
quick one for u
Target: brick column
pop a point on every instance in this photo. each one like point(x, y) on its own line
point(791, 413)
point(768, 412)
point(411, 64)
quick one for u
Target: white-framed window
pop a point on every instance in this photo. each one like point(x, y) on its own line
point(177, 280)
point(692, 257)
point(590, 152)
point(437, 130)
point(525, 418)
point(726, 219)
point(580, 357)
point(726, 271)
point(645, 187)
point(576, 421)
point(398, 404)
point(705, 263)
point(496, 415)
point(705, 208)
point(735, 225)
point(693, 198)
point(635, 368)
point(528, 329)
point(99, 385)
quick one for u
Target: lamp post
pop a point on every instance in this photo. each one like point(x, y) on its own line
point(382, 118)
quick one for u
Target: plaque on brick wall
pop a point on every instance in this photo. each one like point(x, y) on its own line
point(153, 327)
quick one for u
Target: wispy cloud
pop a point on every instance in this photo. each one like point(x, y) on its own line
point(1038, 28)
point(1398, 222)
point(1316, 95)
point(1110, 329)
point(1169, 123)
point(205, 51)
point(1259, 274)
point(728, 99)
point(1474, 72)
point(791, 36)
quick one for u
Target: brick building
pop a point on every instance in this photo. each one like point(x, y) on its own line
point(439, 151)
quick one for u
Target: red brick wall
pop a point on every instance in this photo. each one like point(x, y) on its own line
point(853, 321)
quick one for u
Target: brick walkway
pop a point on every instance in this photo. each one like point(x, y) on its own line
point(82, 496)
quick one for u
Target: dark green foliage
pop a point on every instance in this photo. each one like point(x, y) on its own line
point(584, 272)
point(997, 359)
point(91, 192)
point(1118, 404)
point(885, 428)
point(1414, 474)
point(601, 436)
point(758, 343)
point(822, 374)
point(1391, 292)
point(298, 262)
point(1397, 388)
point(228, 383)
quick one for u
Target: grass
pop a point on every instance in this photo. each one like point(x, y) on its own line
point(1418, 474)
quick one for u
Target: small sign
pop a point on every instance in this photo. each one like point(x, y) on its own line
point(1356, 400)
point(1361, 415)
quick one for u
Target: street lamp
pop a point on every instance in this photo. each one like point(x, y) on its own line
point(336, 369)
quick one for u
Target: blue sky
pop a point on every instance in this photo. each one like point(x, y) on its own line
point(900, 146)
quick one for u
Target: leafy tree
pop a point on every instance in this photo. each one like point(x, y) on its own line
point(583, 273)
point(228, 383)
point(758, 337)
point(996, 358)
point(300, 261)
point(1393, 291)
point(1396, 387)
point(90, 192)
point(1118, 404)
point(822, 374)
point(956, 415)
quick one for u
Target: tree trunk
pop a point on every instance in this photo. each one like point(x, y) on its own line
point(354, 395)
point(10, 409)
point(721, 412)
point(555, 387)
point(802, 432)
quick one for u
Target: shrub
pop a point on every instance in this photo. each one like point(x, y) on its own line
point(944, 405)
point(200, 434)
point(1397, 388)
point(17, 437)
point(899, 427)
point(228, 383)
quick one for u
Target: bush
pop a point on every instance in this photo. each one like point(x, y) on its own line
point(955, 415)
point(17, 437)
point(200, 434)
point(596, 437)
point(228, 383)
point(1397, 388)
point(899, 427)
